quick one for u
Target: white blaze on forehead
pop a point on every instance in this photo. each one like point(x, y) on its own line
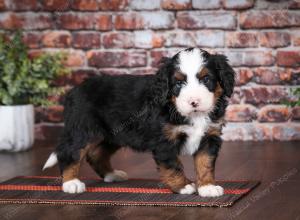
point(190, 62)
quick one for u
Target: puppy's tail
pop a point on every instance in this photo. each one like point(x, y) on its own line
point(52, 161)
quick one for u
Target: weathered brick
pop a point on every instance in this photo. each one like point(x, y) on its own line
point(26, 21)
point(267, 76)
point(264, 94)
point(56, 39)
point(32, 39)
point(156, 56)
point(103, 22)
point(250, 58)
point(286, 131)
point(240, 4)
point(288, 58)
point(198, 19)
point(296, 38)
point(241, 39)
point(294, 4)
point(117, 59)
point(236, 96)
point(52, 114)
point(144, 5)
point(113, 71)
point(56, 5)
point(48, 131)
point(176, 4)
point(86, 40)
point(113, 5)
point(244, 75)
point(118, 40)
point(76, 21)
point(148, 39)
point(75, 58)
point(206, 4)
point(274, 39)
point(144, 20)
point(273, 113)
point(2, 5)
point(240, 113)
point(209, 38)
point(23, 5)
point(143, 71)
point(85, 5)
point(180, 39)
point(269, 19)
point(296, 113)
point(247, 132)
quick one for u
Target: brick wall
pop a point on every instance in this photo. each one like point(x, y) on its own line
point(261, 39)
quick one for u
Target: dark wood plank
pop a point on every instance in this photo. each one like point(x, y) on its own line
point(276, 164)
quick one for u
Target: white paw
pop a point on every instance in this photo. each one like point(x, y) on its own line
point(210, 191)
point(73, 186)
point(188, 189)
point(115, 176)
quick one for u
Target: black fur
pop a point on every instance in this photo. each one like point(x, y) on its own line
point(132, 111)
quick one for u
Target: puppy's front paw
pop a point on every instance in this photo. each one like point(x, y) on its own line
point(188, 189)
point(115, 176)
point(73, 186)
point(210, 191)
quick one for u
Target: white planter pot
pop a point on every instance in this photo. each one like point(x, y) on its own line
point(16, 127)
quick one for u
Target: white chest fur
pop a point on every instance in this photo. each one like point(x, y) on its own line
point(195, 131)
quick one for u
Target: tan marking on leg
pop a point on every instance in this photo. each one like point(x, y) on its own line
point(174, 179)
point(204, 165)
point(99, 159)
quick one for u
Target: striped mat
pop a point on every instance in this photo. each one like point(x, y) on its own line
point(149, 192)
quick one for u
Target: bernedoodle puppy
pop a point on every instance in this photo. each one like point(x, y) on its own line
point(179, 110)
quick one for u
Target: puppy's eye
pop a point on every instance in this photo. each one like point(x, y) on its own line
point(205, 79)
point(179, 84)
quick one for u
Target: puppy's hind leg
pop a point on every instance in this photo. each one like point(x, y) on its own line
point(99, 158)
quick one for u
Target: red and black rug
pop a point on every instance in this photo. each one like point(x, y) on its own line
point(47, 190)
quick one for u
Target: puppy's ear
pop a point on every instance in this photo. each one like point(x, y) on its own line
point(160, 88)
point(226, 74)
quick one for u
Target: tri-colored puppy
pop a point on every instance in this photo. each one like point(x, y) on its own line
point(177, 111)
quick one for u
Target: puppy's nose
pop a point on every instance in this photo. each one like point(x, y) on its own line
point(194, 103)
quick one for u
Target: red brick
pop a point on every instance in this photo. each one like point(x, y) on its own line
point(243, 76)
point(267, 76)
point(157, 55)
point(76, 21)
point(75, 58)
point(116, 59)
point(113, 5)
point(2, 5)
point(76, 77)
point(86, 40)
point(294, 4)
point(240, 4)
point(144, 5)
point(269, 19)
point(247, 132)
point(56, 39)
point(144, 20)
point(148, 39)
point(250, 58)
point(118, 40)
point(103, 22)
point(286, 132)
point(32, 39)
point(296, 113)
point(176, 4)
point(143, 71)
point(198, 19)
point(296, 38)
point(113, 71)
point(273, 113)
point(48, 131)
point(206, 4)
point(241, 39)
point(209, 38)
point(274, 39)
point(21, 5)
point(56, 5)
point(85, 5)
point(240, 113)
point(288, 58)
point(52, 114)
point(26, 21)
point(236, 96)
point(264, 94)
point(180, 39)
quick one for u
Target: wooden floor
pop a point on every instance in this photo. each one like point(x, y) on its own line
point(275, 164)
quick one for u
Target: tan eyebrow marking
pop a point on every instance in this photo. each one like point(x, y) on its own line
point(202, 73)
point(179, 76)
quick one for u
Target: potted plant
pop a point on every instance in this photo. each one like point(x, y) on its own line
point(24, 82)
